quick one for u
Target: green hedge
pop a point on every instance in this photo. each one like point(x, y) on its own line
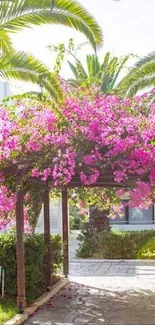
point(34, 262)
point(117, 245)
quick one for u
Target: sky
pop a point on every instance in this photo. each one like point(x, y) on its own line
point(128, 27)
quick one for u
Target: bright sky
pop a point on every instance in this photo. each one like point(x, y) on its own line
point(128, 27)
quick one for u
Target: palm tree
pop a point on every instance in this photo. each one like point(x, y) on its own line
point(25, 67)
point(104, 74)
point(141, 76)
point(16, 15)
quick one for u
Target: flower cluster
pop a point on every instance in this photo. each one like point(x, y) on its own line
point(7, 201)
point(86, 135)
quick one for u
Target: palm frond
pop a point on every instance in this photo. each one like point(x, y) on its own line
point(93, 65)
point(22, 14)
point(5, 41)
point(105, 61)
point(73, 7)
point(82, 74)
point(137, 78)
point(73, 83)
point(52, 85)
point(23, 66)
point(146, 59)
point(146, 82)
point(22, 60)
point(105, 75)
point(28, 94)
point(120, 68)
point(73, 69)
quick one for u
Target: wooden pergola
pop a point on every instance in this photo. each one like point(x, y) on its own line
point(106, 180)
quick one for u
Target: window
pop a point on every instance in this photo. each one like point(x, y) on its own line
point(135, 216)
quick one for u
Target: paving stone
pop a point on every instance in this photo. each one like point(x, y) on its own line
point(78, 304)
point(103, 292)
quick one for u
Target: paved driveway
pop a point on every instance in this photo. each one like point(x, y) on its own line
point(103, 292)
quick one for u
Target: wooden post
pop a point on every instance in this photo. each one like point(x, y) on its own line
point(65, 232)
point(21, 300)
point(48, 268)
point(153, 219)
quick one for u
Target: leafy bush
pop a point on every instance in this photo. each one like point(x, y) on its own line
point(7, 309)
point(71, 223)
point(148, 250)
point(76, 221)
point(34, 262)
point(88, 243)
point(117, 245)
point(57, 252)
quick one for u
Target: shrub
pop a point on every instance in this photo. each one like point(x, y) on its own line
point(76, 221)
point(88, 243)
point(117, 245)
point(148, 250)
point(57, 252)
point(71, 223)
point(34, 262)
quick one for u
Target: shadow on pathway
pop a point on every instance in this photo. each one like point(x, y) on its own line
point(79, 304)
point(102, 292)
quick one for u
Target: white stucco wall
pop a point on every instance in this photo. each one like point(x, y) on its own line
point(4, 90)
point(133, 227)
point(55, 218)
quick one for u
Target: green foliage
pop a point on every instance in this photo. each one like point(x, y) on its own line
point(117, 245)
point(103, 198)
point(19, 14)
point(71, 223)
point(57, 254)
point(34, 203)
point(104, 75)
point(141, 76)
point(76, 219)
point(147, 251)
point(34, 262)
point(25, 67)
point(88, 244)
point(7, 309)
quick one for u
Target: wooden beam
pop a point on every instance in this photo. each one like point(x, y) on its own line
point(21, 300)
point(47, 235)
point(65, 232)
point(153, 216)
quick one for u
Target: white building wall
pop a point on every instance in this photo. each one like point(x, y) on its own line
point(4, 90)
point(56, 221)
point(55, 218)
point(133, 227)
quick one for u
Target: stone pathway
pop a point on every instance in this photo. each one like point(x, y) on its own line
point(115, 275)
point(73, 243)
point(103, 292)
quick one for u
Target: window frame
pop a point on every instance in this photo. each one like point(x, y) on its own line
point(126, 220)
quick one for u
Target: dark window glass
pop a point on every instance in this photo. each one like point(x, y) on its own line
point(137, 215)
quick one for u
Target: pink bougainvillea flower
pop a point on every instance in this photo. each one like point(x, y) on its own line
point(86, 136)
